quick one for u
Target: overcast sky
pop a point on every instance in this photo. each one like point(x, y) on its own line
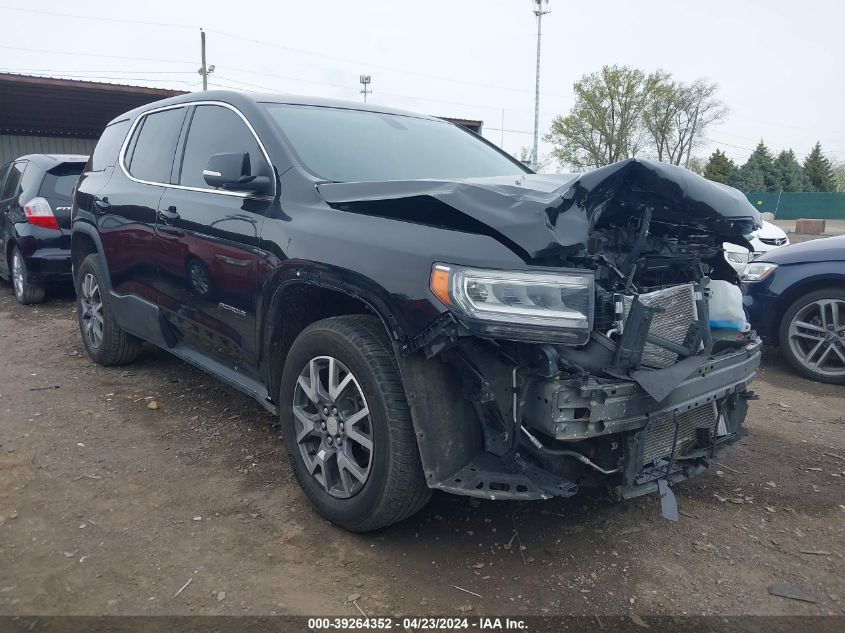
point(779, 63)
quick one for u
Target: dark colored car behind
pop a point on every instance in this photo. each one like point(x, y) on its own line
point(420, 309)
point(795, 298)
point(35, 206)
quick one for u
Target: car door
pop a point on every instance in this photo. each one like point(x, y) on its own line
point(126, 207)
point(208, 240)
point(10, 208)
point(4, 265)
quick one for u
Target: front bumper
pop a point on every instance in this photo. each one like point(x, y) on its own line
point(604, 408)
point(630, 439)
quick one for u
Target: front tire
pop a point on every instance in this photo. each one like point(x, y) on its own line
point(26, 292)
point(812, 335)
point(105, 341)
point(347, 425)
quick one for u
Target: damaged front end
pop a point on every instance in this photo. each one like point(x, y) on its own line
point(598, 363)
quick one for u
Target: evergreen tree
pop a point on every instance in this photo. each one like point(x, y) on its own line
point(790, 172)
point(818, 171)
point(719, 168)
point(747, 178)
point(758, 173)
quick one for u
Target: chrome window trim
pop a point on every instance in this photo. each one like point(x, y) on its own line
point(137, 121)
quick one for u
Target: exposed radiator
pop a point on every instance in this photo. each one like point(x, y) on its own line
point(659, 438)
point(679, 310)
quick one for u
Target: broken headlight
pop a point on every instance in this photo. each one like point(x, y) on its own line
point(535, 306)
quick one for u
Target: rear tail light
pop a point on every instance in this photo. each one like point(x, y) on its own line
point(39, 213)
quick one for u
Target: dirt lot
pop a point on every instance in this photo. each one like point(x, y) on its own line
point(110, 507)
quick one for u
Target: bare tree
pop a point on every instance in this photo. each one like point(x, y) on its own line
point(677, 114)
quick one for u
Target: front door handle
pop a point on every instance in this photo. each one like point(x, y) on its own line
point(102, 204)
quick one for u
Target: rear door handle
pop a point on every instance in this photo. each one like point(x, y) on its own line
point(166, 218)
point(102, 204)
point(170, 214)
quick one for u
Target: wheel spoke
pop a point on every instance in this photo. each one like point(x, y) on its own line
point(356, 417)
point(334, 392)
point(344, 463)
point(808, 326)
point(310, 424)
point(306, 388)
point(824, 354)
point(360, 439)
point(809, 356)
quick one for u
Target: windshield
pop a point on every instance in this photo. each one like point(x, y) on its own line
point(355, 145)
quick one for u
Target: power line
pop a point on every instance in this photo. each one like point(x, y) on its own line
point(97, 17)
point(54, 52)
point(281, 47)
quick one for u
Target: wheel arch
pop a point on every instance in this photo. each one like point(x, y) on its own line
point(446, 426)
point(86, 241)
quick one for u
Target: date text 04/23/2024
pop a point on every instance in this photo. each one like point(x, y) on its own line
point(417, 624)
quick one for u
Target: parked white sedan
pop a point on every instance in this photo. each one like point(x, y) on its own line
point(763, 240)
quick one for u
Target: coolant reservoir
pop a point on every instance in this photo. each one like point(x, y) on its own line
point(725, 304)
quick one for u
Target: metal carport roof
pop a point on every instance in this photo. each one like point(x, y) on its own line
point(44, 106)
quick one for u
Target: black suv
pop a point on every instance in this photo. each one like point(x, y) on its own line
point(35, 204)
point(420, 309)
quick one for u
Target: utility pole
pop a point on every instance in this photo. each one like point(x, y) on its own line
point(539, 11)
point(205, 71)
point(365, 82)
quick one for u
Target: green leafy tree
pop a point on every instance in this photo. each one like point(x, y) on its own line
point(818, 171)
point(790, 172)
point(719, 168)
point(604, 124)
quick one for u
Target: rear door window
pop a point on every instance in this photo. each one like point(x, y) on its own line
point(217, 130)
point(152, 155)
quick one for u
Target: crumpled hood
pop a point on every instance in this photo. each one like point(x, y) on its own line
point(541, 215)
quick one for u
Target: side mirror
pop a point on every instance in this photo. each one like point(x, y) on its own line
point(233, 172)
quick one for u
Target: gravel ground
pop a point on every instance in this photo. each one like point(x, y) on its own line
point(108, 506)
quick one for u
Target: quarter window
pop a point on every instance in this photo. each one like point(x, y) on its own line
point(217, 130)
point(154, 146)
point(108, 146)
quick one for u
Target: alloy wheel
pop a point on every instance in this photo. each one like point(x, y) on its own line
point(92, 311)
point(334, 432)
point(199, 279)
point(17, 273)
point(817, 337)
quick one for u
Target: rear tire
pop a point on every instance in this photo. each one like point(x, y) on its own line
point(812, 335)
point(106, 343)
point(26, 292)
point(373, 477)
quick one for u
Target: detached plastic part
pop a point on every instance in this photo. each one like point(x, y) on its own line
point(726, 310)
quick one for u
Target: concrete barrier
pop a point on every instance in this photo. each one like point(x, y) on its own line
point(810, 227)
